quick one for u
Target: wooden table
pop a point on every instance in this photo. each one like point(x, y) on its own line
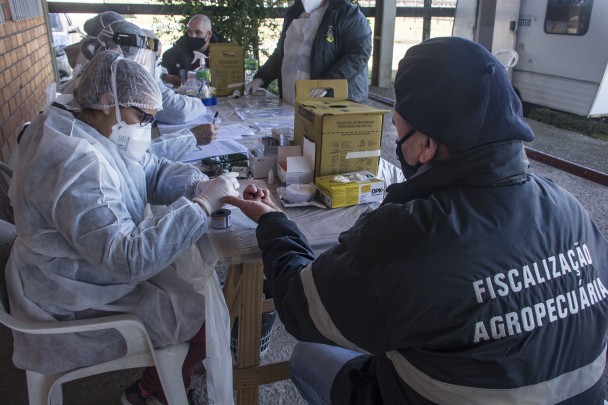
point(237, 248)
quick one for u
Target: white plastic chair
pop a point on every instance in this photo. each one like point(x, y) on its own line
point(46, 389)
point(507, 57)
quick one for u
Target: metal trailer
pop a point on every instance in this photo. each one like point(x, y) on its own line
point(562, 47)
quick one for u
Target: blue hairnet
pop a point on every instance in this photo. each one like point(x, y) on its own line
point(135, 86)
point(94, 25)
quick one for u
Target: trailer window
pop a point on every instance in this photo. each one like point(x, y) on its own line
point(568, 16)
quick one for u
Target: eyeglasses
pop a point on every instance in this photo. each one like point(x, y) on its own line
point(138, 41)
point(145, 117)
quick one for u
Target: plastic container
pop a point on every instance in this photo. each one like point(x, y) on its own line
point(251, 67)
point(268, 319)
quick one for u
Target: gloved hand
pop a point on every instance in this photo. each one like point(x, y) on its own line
point(318, 93)
point(253, 86)
point(205, 133)
point(222, 186)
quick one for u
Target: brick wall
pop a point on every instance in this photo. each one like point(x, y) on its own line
point(26, 68)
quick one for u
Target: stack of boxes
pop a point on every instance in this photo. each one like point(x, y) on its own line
point(346, 139)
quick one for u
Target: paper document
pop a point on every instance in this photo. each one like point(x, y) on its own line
point(235, 131)
point(216, 148)
point(169, 128)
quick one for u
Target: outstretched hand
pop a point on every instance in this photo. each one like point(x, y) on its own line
point(255, 202)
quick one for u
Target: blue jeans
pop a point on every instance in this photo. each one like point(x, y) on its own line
point(313, 368)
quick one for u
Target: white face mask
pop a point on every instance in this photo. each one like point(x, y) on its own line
point(133, 139)
point(311, 5)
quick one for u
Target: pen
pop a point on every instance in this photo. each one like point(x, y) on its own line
point(214, 117)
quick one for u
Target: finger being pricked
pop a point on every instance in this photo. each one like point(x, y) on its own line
point(252, 192)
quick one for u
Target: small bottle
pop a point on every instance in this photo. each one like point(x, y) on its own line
point(270, 177)
point(251, 68)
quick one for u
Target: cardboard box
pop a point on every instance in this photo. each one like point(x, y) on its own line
point(295, 163)
point(347, 133)
point(362, 188)
point(226, 62)
point(260, 165)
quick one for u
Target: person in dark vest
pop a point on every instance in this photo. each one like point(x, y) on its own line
point(475, 282)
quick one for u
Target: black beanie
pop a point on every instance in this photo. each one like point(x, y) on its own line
point(459, 94)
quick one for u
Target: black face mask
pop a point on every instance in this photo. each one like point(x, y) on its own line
point(194, 44)
point(407, 169)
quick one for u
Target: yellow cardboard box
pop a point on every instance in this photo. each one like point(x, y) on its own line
point(356, 188)
point(347, 134)
point(226, 62)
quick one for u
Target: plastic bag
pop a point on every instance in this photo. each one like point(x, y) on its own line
point(199, 270)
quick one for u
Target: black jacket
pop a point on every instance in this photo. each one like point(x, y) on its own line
point(341, 48)
point(474, 278)
point(180, 57)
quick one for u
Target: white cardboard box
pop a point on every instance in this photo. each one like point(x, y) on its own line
point(259, 166)
point(295, 163)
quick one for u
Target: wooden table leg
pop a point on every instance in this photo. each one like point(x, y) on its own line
point(243, 292)
point(250, 324)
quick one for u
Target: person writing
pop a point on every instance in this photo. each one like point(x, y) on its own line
point(320, 39)
point(476, 281)
point(177, 108)
point(85, 247)
point(181, 55)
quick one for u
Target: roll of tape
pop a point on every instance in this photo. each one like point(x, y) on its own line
point(220, 219)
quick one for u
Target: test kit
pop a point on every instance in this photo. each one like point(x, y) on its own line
point(348, 189)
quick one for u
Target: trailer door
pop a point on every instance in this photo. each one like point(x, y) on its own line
point(491, 23)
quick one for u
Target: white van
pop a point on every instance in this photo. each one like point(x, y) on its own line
point(562, 47)
point(64, 33)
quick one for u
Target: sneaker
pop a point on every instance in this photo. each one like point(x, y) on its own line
point(132, 396)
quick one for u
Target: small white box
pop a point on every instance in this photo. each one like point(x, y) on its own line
point(259, 166)
point(295, 163)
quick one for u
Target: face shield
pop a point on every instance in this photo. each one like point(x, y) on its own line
point(138, 48)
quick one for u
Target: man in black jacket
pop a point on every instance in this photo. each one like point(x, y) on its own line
point(198, 38)
point(475, 281)
point(321, 39)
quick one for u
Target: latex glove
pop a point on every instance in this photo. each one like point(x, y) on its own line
point(318, 93)
point(205, 133)
point(253, 86)
point(222, 186)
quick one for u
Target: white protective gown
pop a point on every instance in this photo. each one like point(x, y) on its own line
point(84, 248)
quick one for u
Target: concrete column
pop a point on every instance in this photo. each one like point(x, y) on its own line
point(383, 40)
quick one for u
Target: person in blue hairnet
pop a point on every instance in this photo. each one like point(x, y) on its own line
point(85, 247)
point(177, 108)
point(475, 282)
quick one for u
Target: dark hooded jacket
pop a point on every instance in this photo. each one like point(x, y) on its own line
point(474, 282)
point(179, 56)
point(341, 48)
